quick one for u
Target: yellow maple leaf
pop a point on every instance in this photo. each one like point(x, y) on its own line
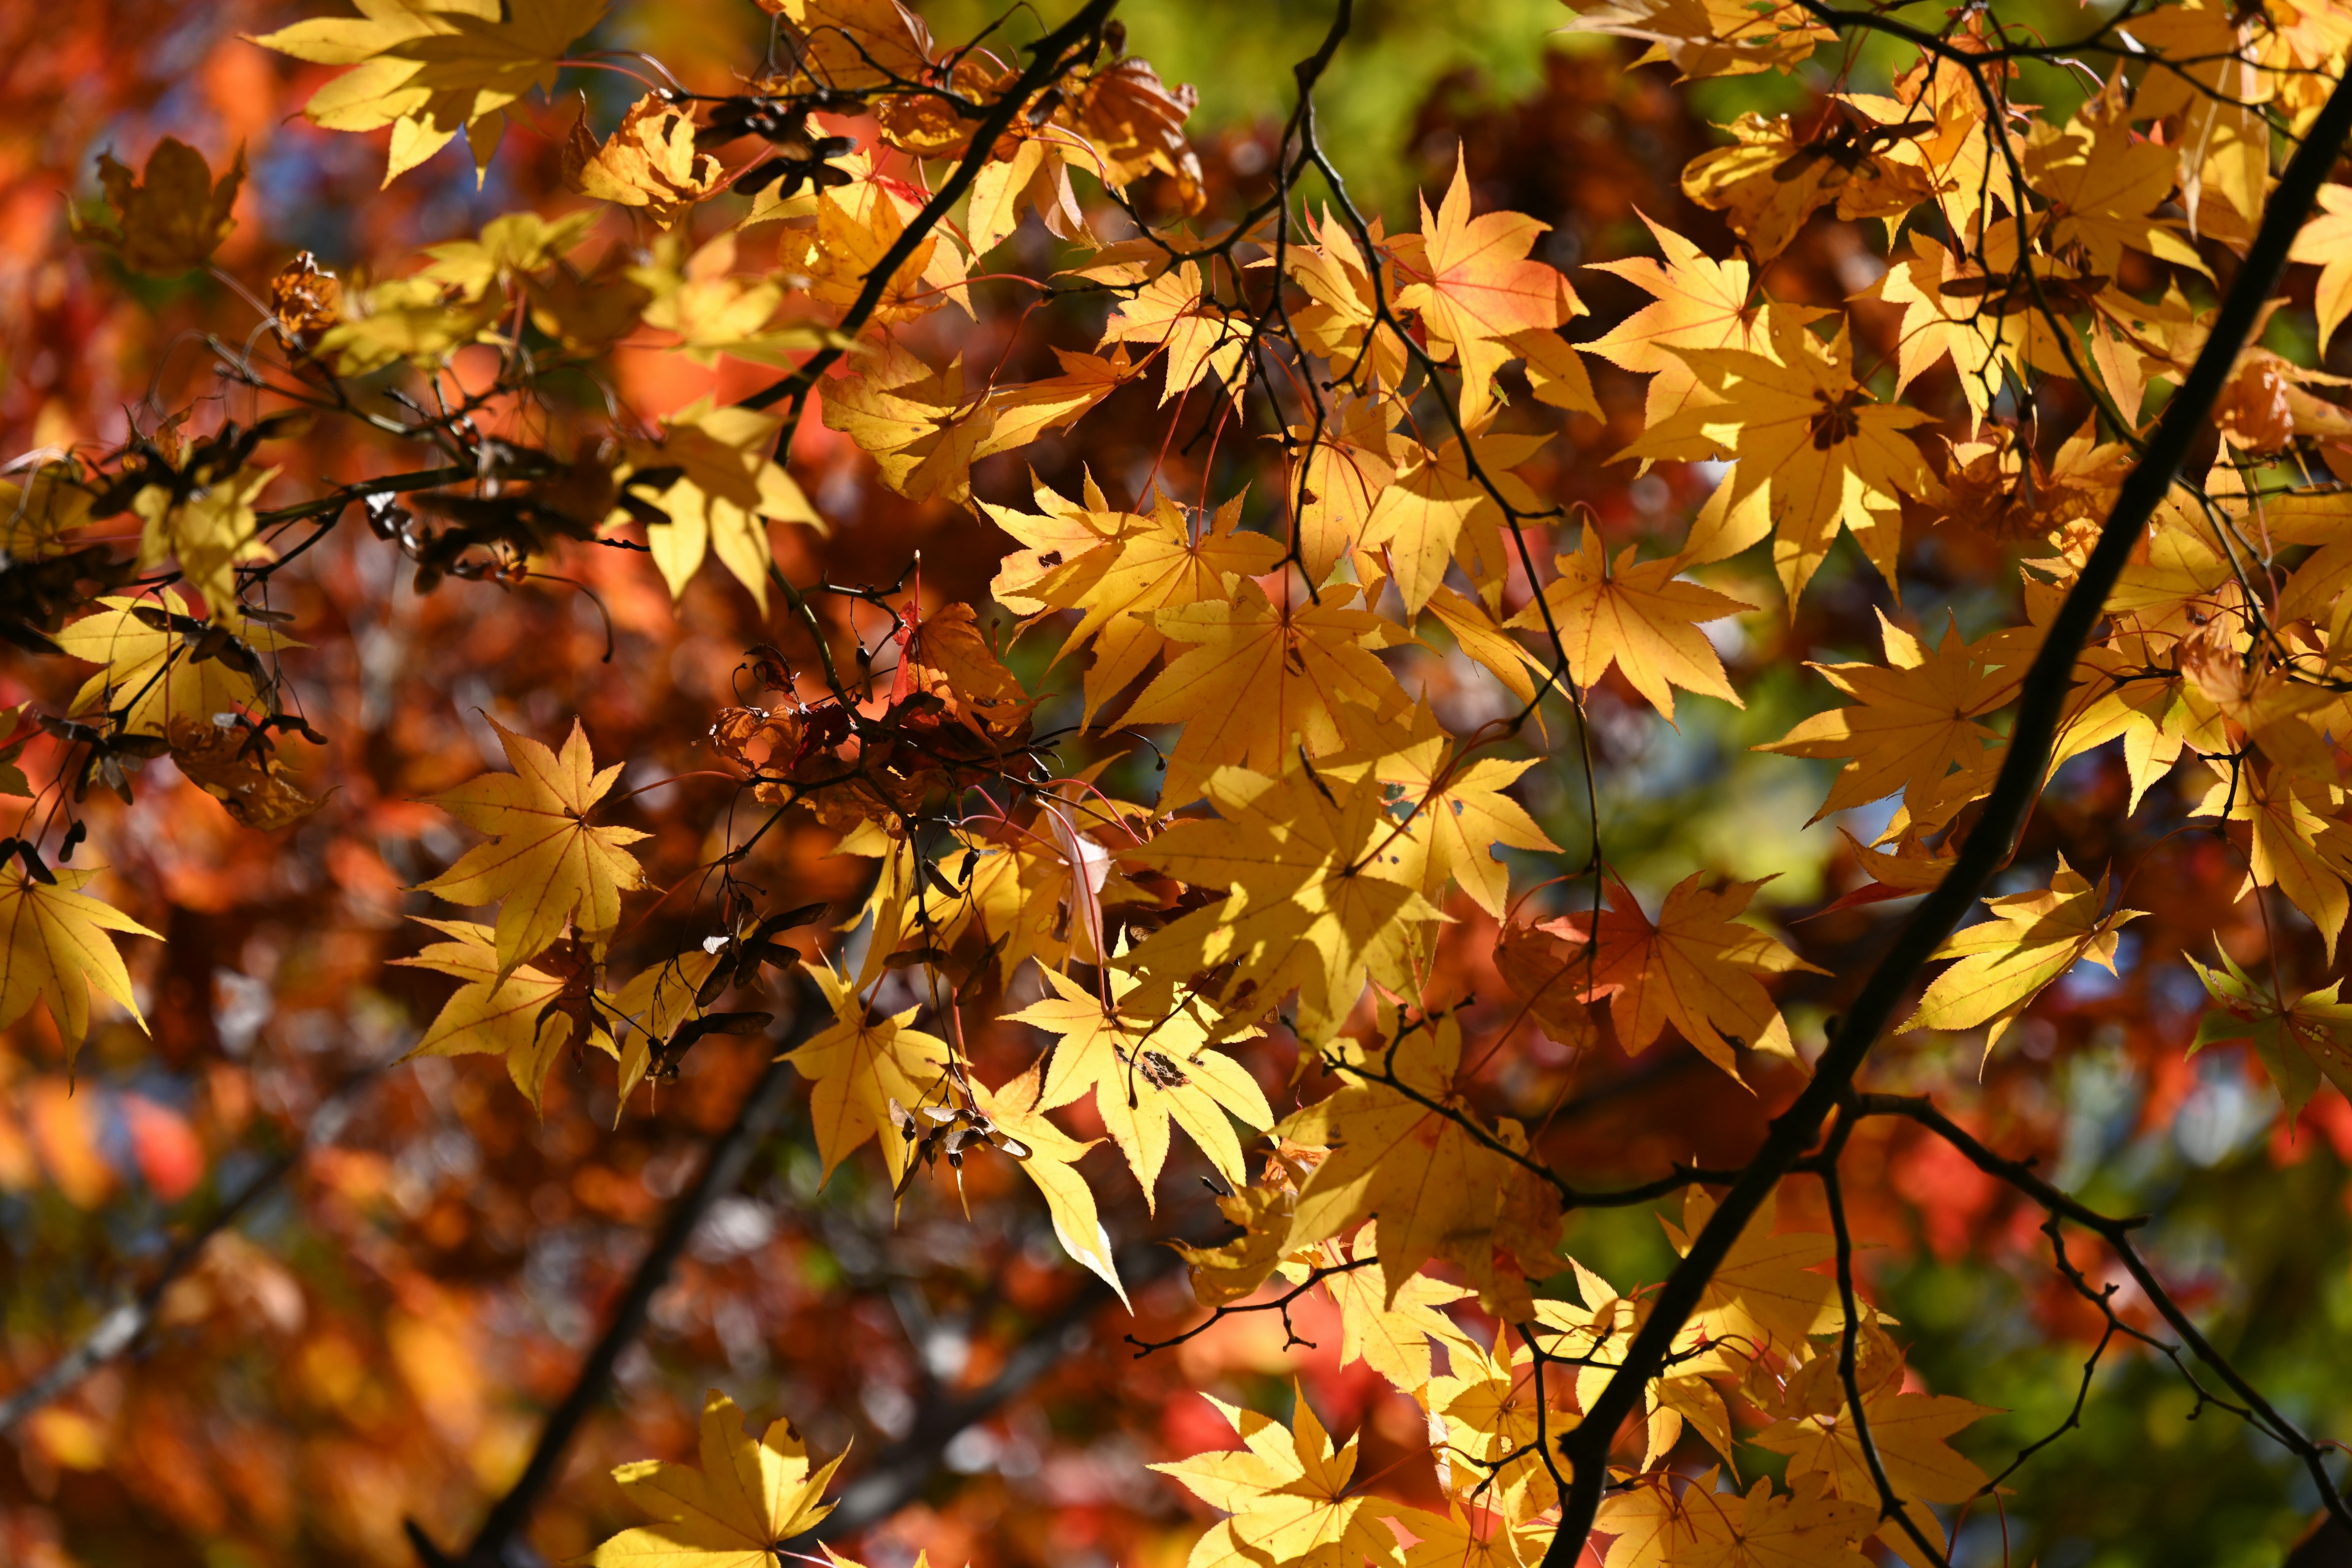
point(920, 426)
point(517, 1012)
point(859, 1066)
point(727, 489)
point(1411, 1158)
point(648, 162)
point(544, 865)
point(1765, 1294)
point(1477, 289)
point(149, 648)
point(208, 530)
point(1393, 1337)
point(2032, 939)
point(1143, 1076)
point(53, 950)
point(736, 1510)
point(1809, 438)
point(1710, 38)
point(1287, 1493)
point(1698, 969)
point(1201, 338)
point(1913, 727)
point(1262, 678)
point(1437, 511)
point(429, 68)
point(169, 219)
point(2327, 242)
point(1299, 912)
point(1120, 569)
point(418, 319)
point(1049, 1159)
point(1771, 179)
point(1643, 618)
point(1459, 814)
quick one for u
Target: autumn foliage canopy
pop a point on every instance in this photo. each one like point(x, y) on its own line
point(1611, 832)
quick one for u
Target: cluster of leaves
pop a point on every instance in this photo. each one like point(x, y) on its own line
point(1306, 697)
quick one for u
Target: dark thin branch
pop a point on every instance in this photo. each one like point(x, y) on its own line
point(1890, 1501)
point(2043, 696)
point(1051, 59)
point(731, 1155)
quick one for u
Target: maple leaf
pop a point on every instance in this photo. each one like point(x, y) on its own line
point(1801, 1528)
point(1698, 969)
point(648, 162)
point(736, 1510)
point(1393, 1337)
point(1287, 1493)
point(2325, 241)
point(1487, 1402)
point(920, 428)
point(1764, 1292)
point(1049, 1157)
point(860, 1066)
point(1909, 1431)
point(1143, 1076)
point(208, 532)
point(1237, 1268)
point(727, 488)
point(1641, 618)
point(1122, 569)
point(855, 228)
point(713, 310)
point(1696, 302)
point(1036, 178)
point(430, 67)
point(169, 219)
point(651, 1008)
point(1477, 289)
point(1409, 1155)
point(415, 319)
point(1455, 815)
point(1913, 726)
point(1595, 1337)
point(1437, 511)
point(1200, 337)
point(1809, 438)
point(544, 865)
point(510, 247)
point(1345, 470)
point(1770, 180)
point(1261, 679)
point(518, 1013)
point(53, 950)
point(1299, 912)
point(1341, 320)
point(2298, 1041)
point(1021, 412)
point(2004, 963)
point(1710, 38)
point(247, 780)
point(1135, 124)
point(154, 671)
point(2104, 185)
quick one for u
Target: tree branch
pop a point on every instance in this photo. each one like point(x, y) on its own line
point(1988, 847)
point(731, 1155)
point(1051, 60)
